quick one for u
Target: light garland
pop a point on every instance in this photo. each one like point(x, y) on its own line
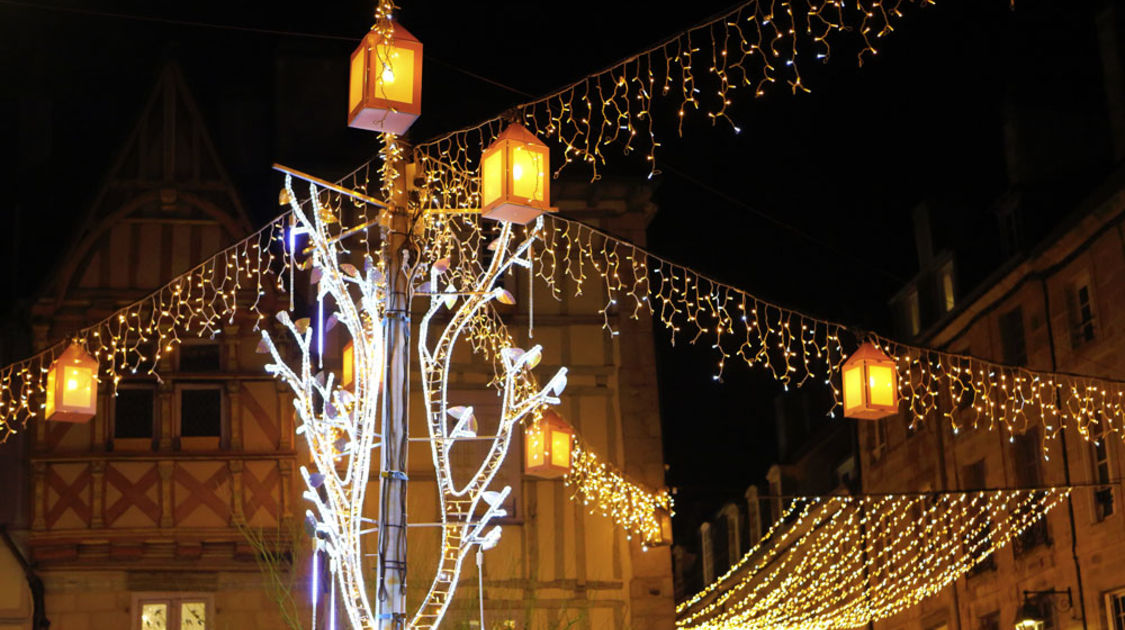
point(793, 347)
point(605, 491)
point(842, 562)
point(750, 47)
point(229, 287)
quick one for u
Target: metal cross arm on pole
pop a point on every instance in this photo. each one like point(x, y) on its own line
point(323, 183)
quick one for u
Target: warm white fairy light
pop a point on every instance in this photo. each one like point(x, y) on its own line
point(603, 490)
point(841, 562)
point(230, 287)
point(696, 73)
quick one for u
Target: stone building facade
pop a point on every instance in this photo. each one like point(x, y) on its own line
point(1054, 304)
point(1059, 308)
point(1055, 308)
point(141, 512)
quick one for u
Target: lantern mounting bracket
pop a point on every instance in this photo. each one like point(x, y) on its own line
point(1028, 594)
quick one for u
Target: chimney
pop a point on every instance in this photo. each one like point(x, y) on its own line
point(1108, 24)
point(923, 237)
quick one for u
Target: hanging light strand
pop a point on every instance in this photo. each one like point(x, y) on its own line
point(233, 285)
point(603, 490)
point(697, 72)
point(793, 347)
point(844, 561)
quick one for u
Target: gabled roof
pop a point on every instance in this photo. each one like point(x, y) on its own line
point(167, 172)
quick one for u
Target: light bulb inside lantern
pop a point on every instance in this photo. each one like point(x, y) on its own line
point(517, 171)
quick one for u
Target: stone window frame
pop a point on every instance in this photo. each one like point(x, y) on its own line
point(1115, 621)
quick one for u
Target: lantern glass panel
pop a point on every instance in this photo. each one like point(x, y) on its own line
point(853, 387)
point(492, 177)
point(78, 390)
point(50, 406)
point(560, 448)
point(527, 173)
point(394, 76)
point(880, 380)
point(355, 85)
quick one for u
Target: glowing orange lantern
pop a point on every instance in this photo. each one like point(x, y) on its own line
point(72, 386)
point(547, 447)
point(514, 185)
point(385, 91)
point(870, 384)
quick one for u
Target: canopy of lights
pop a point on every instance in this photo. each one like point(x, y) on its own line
point(481, 211)
point(842, 562)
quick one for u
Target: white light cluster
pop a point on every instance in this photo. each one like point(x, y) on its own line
point(340, 425)
point(464, 522)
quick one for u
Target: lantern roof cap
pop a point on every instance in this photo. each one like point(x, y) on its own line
point(554, 418)
point(868, 352)
point(518, 133)
point(75, 353)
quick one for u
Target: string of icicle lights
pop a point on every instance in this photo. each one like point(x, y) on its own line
point(236, 285)
point(842, 562)
point(697, 72)
point(793, 347)
point(245, 284)
point(594, 482)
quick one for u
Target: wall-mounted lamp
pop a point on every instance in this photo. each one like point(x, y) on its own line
point(1030, 615)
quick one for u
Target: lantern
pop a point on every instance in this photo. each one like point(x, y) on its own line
point(72, 390)
point(385, 90)
point(547, 447)
point(513, 177)
point(870, 384)
point(1029, 617)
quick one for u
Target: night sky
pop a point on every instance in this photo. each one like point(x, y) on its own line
point(809, 206)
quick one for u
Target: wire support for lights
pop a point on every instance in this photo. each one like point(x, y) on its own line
point(698, 71)
point(793, 347)
point(838, 562)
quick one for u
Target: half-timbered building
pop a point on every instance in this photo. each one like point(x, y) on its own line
point(139, 518)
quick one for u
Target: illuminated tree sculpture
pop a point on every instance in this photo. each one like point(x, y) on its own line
point(339, 425)
point(340, 421)
point(468, 509)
